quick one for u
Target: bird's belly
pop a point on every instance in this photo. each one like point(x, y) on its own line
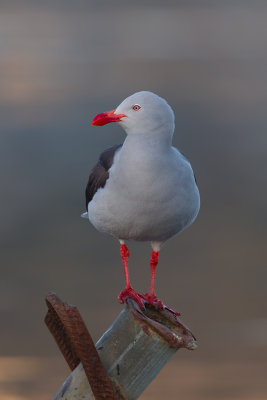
point(144, 215)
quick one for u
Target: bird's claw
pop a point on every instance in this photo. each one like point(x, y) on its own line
point(152, 300)
point(157, 303)
point(131, 293)
point(143, 299)
point(176, 313)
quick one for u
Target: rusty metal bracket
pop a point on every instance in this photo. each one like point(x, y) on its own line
point(73, 339)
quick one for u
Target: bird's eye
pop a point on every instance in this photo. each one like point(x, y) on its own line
point(136, 107)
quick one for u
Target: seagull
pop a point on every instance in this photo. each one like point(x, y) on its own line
point(143, 189)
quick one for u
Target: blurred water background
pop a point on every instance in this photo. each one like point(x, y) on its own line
point(60, 64)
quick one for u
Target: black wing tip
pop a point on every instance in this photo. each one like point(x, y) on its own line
point(99, 174)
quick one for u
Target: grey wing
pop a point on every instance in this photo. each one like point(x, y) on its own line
point(100, 174)
point(189, 162)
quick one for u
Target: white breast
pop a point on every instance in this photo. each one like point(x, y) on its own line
point(150, 195)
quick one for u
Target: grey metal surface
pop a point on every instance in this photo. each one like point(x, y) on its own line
point(133, 350)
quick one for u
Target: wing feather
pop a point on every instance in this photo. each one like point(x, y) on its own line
point(100, 173)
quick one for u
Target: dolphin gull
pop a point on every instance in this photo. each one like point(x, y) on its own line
point(143, 189)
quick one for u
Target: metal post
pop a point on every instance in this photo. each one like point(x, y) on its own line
point(133, 351)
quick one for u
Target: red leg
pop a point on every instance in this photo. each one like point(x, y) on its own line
point(129, 292)
point(125, 254)
point(154, 260)
point(150, 297)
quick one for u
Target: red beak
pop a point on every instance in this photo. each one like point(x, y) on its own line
point(107, 117)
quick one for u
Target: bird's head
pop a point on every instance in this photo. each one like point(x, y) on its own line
point(143, 112)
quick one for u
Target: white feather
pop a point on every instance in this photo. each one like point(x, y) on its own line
point(151, 192)
point(85, 215)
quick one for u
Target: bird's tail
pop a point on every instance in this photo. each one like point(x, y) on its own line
point(84, 215)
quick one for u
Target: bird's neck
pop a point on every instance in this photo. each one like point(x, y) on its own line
point(148, 140)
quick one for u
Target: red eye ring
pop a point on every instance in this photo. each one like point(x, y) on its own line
point(136, 107)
